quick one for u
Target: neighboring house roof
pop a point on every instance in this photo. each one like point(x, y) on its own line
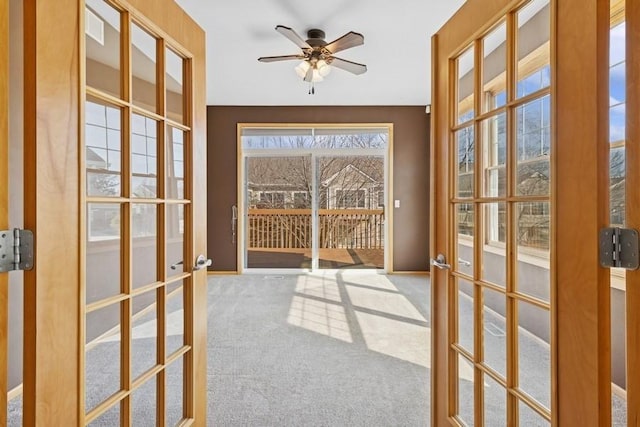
point(94, 160)
point(349, 169)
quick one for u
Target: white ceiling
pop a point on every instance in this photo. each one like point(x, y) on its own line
point(396, 50)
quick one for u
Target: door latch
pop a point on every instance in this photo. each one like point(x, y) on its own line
point(619, 248)
point(202, 262)
point(440, 262)
point(16, 250)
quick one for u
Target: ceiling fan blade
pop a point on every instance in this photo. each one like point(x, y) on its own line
point(293, 36)
point(280, 58)
point(352, 67)
point(351, 39)
point(309, 76)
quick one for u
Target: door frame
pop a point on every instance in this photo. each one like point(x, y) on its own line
point(241, 225)
point(580, 308)
point(4, 200)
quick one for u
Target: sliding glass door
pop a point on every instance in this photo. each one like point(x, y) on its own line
point(313, 197)
point(278, 212)
point(351, 206)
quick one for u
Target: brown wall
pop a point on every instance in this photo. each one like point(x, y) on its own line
point(410, 172)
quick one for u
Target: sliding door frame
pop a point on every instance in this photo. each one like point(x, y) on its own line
point(313, 154)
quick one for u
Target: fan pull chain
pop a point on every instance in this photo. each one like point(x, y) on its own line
point(312, 88)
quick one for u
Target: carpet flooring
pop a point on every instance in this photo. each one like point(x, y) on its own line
point(334, 349)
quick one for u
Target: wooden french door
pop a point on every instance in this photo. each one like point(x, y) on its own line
point(114, 191)
point(521, 175)
point(144, 199)
point(493, 199)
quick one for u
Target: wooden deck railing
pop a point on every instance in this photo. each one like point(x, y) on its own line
point(338, 228)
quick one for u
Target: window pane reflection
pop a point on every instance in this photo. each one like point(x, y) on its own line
point(174, 84)
point(533, 145)
point(102, 148)
point(466, 159)
point(494, 67)
point(143, 68)
point(102, 40)
point(534, 32)
point(144, 157)
point(145, 244)
point(465, 85)
point(104, 252)
point(175, 163)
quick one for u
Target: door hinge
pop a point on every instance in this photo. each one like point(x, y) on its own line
point(619, 248)
point(16, 250)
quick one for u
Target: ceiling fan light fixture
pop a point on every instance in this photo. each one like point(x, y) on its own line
point(317, 77)
point(317, 56)
point(302, 68)
point(323, 68)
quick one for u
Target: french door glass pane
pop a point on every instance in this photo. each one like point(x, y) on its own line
point(351, 211)
point(466, 320)
point(104, 251)
point(174, 84)
point(143, 404)
point(109, 418)
point(617, 206)
point(617, 186)
point(103, 153)
point(279, 193)
point(102, 41)
point(533, 145)
point(15, 411)
point(494, 331)
point(466, 382)
point(494, 136)
point(102, 357)
point(465, 149)
point(175, 320)
point(528, 417)
point(465, 86)
point(494, 68)
point(465, 238)
point(144, 336)
point(175, 391)
point(533, 47)
point(175, 163)
point(494, 253)
point(175, 240)
point(143, 68)
point(15, 345)
point(533, 249)
point(495, 402)
point(144, 157)
point(534, 352)
point(144, 231)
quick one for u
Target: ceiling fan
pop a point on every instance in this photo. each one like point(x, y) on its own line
point(317, 55)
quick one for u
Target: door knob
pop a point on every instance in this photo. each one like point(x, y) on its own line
point(440, 262)
point(202, 262)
